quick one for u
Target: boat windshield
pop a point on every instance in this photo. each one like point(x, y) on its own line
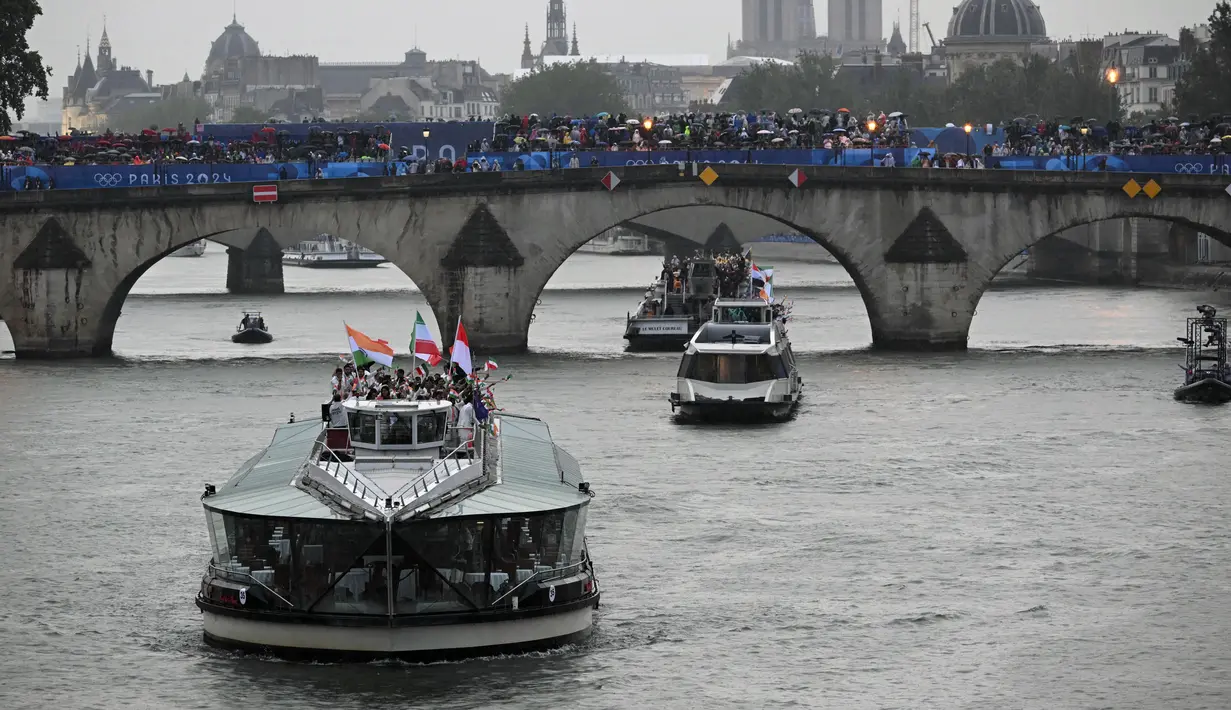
point(731, 368)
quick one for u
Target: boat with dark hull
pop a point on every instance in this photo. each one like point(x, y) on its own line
point(738, 367)
point(1207, 375)
point(252, 330)
point(670, 313)
point(400, 535)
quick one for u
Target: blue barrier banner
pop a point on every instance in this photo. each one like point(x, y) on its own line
point(108, 176)
point(446, 140)
point(87, 177)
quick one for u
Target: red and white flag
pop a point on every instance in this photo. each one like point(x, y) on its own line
point(491, 365)
point(460, 353)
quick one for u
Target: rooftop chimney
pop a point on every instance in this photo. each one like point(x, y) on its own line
point(149, 78)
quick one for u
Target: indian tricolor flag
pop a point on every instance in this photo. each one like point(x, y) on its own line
point(365, 349)
point(422, 344)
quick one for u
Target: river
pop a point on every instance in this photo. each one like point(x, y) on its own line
point(1032, 524)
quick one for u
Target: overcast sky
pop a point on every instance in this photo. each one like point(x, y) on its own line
point(174, 36)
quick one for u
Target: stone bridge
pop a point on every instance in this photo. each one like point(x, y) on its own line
point(920, 245)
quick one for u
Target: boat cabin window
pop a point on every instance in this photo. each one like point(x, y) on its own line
point(731, 369)
point(362, 428)
point(431, 427)
point(742, 314)
point(398, 429)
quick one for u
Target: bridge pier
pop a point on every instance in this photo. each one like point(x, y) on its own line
point(923, 307)
point(496, 305)
point(257, 269)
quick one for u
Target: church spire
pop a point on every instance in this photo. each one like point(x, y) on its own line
point(574, 51)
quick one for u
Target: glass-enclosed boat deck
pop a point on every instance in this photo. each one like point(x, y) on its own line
point(399, 519)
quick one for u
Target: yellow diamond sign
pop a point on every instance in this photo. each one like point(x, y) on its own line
point(1132, 188)
point(708, 176)
point(1151, 189)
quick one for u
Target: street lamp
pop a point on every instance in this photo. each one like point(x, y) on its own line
point(1113, 77)
point(1085, 131)
point(872, 131)
point(968, 128)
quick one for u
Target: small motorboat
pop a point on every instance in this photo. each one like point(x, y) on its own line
point(1207, 375)
point(252, 330)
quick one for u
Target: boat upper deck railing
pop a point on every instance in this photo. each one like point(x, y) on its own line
point(327, 460)
point(444, 469)
point(545, 575)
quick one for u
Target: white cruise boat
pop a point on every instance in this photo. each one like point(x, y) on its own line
point(618, 242)
point(388, 538)
point(197, 248)
point(738, 366)
point(330, 252)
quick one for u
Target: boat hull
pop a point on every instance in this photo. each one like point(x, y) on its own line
point(252, 336)
point(1207, 391)
point(658, 334)
point(332, 264)
point(429, 640)
point(741, 411)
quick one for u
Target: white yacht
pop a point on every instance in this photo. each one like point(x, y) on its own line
point(738, 366)
point(329, 252)
point(390, 535)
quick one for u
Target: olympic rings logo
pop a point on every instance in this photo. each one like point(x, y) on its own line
point(108, 179)
point(1193, 168)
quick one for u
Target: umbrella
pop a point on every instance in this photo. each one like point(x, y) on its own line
point(840, 130)
point(7, 138)
point(777, 140)
point(664, 142)
point(383, 146)
point(764, 132)
point(844, 110)
point(795, 111)
point(896, 114)
point(269, 129)
point(632, 122)
point(602, 114)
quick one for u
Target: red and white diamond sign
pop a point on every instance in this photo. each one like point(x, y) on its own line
point(610, 180)
point(798, 178)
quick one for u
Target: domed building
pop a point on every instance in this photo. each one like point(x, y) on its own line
point(982, 32)
point(232, 45)
point(237, 74)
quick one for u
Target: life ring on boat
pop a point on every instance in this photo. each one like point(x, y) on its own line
point(532, 317)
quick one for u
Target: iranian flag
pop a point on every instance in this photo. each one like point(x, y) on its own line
point(365, 349)
point(422, 344)
point(491, 365)
point(460, 354)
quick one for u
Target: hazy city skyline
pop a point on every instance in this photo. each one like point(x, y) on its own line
point(147, 40)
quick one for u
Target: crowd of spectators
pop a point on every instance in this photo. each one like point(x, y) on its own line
point(178, 145)
point(817, 128)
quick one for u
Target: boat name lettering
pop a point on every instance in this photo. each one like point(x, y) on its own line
point(228, 599)
point(677, 327)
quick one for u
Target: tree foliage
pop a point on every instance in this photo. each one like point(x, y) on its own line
point(22, 73)
point(574, 89)
point(991, 94)
point(248, 114)
point(1203, 88)
point(168, 113)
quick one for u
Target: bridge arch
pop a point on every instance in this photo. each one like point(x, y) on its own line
point(700, 234)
